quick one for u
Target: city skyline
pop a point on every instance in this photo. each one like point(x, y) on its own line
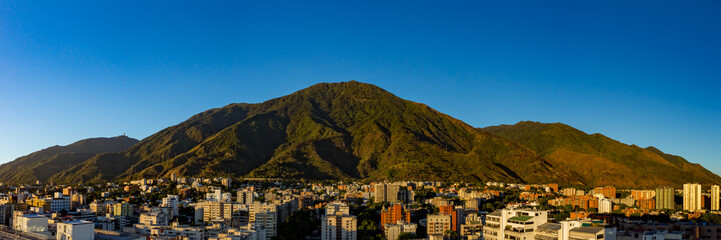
point(644, 74)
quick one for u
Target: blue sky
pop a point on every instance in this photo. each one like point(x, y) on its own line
point(645, 73)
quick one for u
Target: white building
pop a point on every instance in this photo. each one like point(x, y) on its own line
point(336, 208)
point(338, 224)
point(574, 230)
point(248, 232)
point(513, 224)
point(212, 210)
point(715, 198)
point(172, 201)
point(692, 197)
point(190, 233)
point(605, 205)
point(472, 228)
point(31, 223)
point(263, 215)
point(155, 218)
point(75, 230)
point(393, 230)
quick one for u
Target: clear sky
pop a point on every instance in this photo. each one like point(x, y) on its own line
point(642, 72)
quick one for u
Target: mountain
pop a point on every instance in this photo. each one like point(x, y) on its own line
point(600, 160)
point(346, 130)
point(42, 164)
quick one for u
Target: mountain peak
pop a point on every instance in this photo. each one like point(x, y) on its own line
point(346, 130)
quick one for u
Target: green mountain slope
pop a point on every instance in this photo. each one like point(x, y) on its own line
point(347, 130)
point(600, 160)
point(42, 164)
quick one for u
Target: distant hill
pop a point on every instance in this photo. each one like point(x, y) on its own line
point(346, 130)
point(42, 164)
point(600, 160)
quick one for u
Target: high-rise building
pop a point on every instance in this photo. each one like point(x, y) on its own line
point(172, 201)
point(227, 182)
point(456, 216)
point(245, 196)
point(122, 209)
point(337, 208)
point(380, 192)
point(605, 205)
point(392, 193)
point(715, 197)
point(608, 191)
point(60, 202)
point(692, 197)
point(438, 224)
point(265, 219)
point(264, 215)
point(664, 198)
point(642, 194)
point(214, 210)
point(394, 214)
point(338, 224)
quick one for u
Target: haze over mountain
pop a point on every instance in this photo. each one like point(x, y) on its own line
point(600, 160)
point(42, 164)
point(354, 130)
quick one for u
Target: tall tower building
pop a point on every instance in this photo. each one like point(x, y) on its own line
point(380, 192)
point(664, 198)
point(264, 215)
point(605, 205)
point(245, 196)
point(392, 193)
point(715, 197)
point(692, 197)
point(338, 224)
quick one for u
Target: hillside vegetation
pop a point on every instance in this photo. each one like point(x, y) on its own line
point(347, 130)
point(600, 160)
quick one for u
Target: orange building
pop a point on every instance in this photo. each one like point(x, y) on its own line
point(583, 202)
point(493, 192)
point(394, 214)
point(578, 215)
point(553, 186)
point(642, 194)
point(646, 204)
point(608, 192)
point(450, 210)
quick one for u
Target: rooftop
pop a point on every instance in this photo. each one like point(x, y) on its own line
point(521, 218)
point(588, 229)
point(77, 222)
point(550, 226)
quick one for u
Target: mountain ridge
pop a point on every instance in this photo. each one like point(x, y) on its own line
point(42, 164)
point(347, 130)
point(613, 162)
point(357, 131)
